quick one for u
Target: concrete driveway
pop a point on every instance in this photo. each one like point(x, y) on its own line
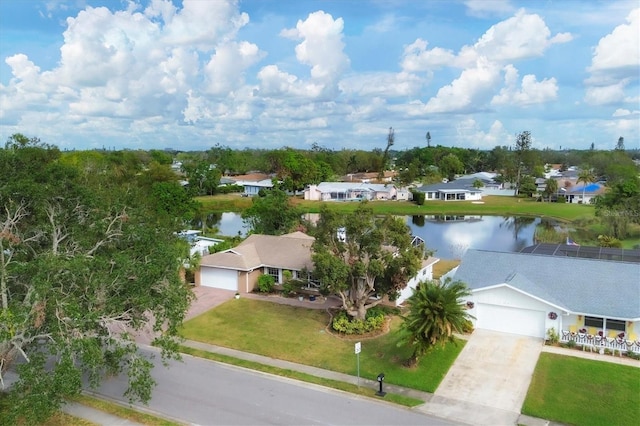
point(488, 382)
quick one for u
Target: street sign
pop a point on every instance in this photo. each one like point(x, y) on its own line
point(358, 347)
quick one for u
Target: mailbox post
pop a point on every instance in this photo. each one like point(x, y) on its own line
point(380, 380)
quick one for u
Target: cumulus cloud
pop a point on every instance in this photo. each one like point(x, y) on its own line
point(522, 36)
point(469, 133)
point(530, 92)
point(390, 85)
point(224, 72)
point(625, 113)
point(416, 57)
point(322, 46)
point(618, 52)
point(469, 91)
point(608, 94)
point(519, 37)
point(615, 64)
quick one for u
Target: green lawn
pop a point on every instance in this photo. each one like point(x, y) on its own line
point(299, 335)
point(492, 205)
point(584, 392)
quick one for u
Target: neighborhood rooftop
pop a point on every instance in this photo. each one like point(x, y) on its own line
point(599, 287)
point(587, 252)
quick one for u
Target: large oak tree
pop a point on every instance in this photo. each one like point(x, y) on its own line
point(362, 257)
point(84, 264)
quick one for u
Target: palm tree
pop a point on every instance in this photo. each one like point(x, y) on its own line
point(586, 177)
point(551, 187)
point(436, 311)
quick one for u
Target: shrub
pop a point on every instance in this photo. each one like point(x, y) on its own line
point(633, 355)
point(291, 286)
point(266, 283)
point(552, 336)
point(571, 344)
point(418, 197)
point(374, 321)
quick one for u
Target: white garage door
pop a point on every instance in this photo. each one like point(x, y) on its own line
point(510, 320)
point(219, 278)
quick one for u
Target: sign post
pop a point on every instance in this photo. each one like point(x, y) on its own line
point(358, 348)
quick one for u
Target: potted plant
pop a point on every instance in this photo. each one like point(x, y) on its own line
point(237, 295)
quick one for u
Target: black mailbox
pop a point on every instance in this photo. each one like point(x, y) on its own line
point(380, 380)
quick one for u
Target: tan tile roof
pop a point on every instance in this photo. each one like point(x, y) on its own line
point(291, 251)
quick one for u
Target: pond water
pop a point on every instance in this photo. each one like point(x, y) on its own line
point(448, 236)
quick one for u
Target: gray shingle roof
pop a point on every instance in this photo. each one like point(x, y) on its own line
point(582, 286)
point(458, 184)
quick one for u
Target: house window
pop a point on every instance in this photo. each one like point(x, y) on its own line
point(593, 322)
point(275, 273)
point(615, 325)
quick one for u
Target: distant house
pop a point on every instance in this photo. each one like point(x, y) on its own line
point(528, 293)
point(457, 190)
point(199, 244)
point(351, 191)
point(369, 177)
point(584, 194)
point(252, 183)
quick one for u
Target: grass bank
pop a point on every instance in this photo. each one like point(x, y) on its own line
point(491, 205)
point(299, 335)
point(583, 392)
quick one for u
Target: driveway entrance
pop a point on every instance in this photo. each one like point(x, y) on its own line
point(488, 382)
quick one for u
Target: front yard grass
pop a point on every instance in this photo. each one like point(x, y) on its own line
point(299, 335)
point(583, 392)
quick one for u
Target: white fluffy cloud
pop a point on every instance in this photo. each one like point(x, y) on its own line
point(160, 71)
point(321, 47)
point(470, 133)
point(520, 37)
point(469, 91)
point(615, 64)
point(530, 92)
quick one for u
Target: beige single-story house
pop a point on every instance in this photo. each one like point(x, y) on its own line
point(580, 292)
point(239, 268)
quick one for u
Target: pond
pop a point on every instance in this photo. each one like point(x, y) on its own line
point(449, 236)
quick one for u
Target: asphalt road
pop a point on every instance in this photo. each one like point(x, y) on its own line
point(203, 392)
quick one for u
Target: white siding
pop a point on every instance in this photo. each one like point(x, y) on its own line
point(505, 319)
point(510, 311)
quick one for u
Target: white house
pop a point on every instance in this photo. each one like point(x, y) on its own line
point(529, 293)
point(457, 190)
point(583, 194)
point(424, 274)
point(351, 191)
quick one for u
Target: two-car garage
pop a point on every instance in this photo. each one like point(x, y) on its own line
point(508, 319)
point(226, 279)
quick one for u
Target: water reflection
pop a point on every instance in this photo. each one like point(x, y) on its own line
point(452, 236)
point(449, 235)
point(227, 224)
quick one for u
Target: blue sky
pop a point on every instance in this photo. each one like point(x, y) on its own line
point(272, 73)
